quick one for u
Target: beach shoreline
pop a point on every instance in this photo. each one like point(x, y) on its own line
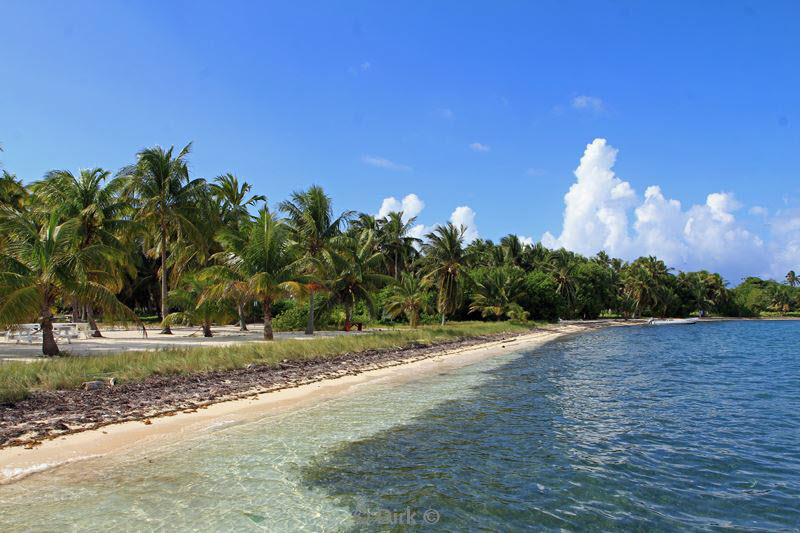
point(22, 457)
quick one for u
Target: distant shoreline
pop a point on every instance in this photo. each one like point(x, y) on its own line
point(176, 410)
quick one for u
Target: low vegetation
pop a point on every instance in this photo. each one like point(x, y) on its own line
point(18, 379)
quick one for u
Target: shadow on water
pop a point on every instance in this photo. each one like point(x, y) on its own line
point(668, 428)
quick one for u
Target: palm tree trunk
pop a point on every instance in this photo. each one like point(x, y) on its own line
point(443, 317)
point(92, 322)
point(164, 286)
point(49, 346)
point(242, 322)
point(207, 328)
point(266, 305)
point(310, 326)
point(348, 317)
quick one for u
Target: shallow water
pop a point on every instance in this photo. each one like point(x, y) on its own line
point(661, 428)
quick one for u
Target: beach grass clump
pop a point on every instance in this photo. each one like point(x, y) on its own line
point(19, 379)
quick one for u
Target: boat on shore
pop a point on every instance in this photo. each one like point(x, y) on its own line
point(671, 321)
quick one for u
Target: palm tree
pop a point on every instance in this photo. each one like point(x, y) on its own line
point(409, 297)
point(188, 296)
point(352, 273)
point(313, 231)
point(791, 278)
point(12, 192)
point(268, 256)
point(497, 293)
point(446, 261)
point(98, 210)
point(233, 198)
point(395, 242)
point(229, 276)
point(42, 264)
point(163, 197)
point(513, 249)
point(562, 266)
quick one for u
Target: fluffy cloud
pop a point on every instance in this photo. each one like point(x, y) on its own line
point(478, 147)
point(381, 162)
point(465, 216)
point(526, 240)
point(598, 204)
point(411, 206)
point(588, 103)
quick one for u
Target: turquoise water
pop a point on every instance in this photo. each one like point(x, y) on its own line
point(665, 428)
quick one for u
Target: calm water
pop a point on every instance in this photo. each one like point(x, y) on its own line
point(664, 428)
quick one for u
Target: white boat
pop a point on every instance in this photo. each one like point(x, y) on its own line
point(671, 321)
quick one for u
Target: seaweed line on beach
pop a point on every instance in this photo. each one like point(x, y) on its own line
point(55, 413)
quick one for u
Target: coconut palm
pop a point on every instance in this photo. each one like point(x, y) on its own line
point(256, 264)
point(497, 293)
point(233, 198)
point(98, 209)
point(409, 297)
point(314, 230)
point(513, 249)
point(562, 266)
point(352, 273)
point(163, 196)
point(398, 247)
point(188, 296)
point(446, 260)
point(791, 278)
point(41, 265)
point(229, 276)
point(12, 192)
point(268, 256)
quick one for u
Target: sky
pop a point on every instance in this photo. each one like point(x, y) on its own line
point(666, 128)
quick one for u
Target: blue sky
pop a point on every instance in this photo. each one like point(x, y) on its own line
point(482, 105)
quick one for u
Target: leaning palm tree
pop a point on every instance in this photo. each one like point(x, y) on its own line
point(163, 197)
point(41, 265)
point(408, 297)
point(445, 260)
point(314, 230)
point(98, 209)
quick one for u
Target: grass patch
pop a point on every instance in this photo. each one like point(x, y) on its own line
point(18, 379)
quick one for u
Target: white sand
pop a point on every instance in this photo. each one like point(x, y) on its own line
point(18, 462)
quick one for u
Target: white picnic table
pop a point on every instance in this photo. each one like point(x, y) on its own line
point(33, 332)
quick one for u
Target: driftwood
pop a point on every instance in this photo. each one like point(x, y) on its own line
point(99, 384)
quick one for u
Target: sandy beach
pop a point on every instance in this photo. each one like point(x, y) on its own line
point(172, 423)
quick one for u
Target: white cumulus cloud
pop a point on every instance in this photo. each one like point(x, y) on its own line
point(465, 216)
point(596, 217)
point(381, 162)
point(411, 206)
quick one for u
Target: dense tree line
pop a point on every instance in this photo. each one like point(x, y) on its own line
point(152, 240)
